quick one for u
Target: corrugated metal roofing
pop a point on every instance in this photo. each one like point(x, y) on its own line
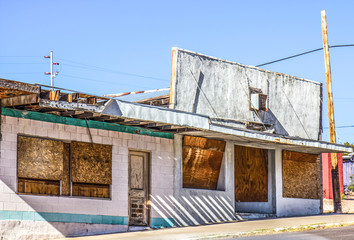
point(137, 96)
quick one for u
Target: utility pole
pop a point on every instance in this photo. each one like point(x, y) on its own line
point(51, 69)
point(51, 73)
point(332, 132)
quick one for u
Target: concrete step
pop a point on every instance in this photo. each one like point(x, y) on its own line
point(249, 216)
point(137, 228)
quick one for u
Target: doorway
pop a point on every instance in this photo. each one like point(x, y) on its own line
point(139, 188)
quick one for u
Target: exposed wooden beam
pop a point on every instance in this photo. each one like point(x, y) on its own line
point(100, 118)
point(73, 97)
point(9, 88)
point(132, 122)
point(168, 127)
point(115, 120)
point(20, 100)
point(83, 115)
point(54, 95)
point(153, 125)
point(67, 113)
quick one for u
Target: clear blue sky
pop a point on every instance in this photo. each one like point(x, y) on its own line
point(120, 39)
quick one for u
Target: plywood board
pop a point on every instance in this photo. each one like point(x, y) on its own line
point(65, 183)
point(91, 190)
point(39, 187)
point(251, 174)
point(204, 143)
point(299, 156)
point(91, 163)
point(202, 160)
point(301, 175)
point(136, 172)
point(40, 158)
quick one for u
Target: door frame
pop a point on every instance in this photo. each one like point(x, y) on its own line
point(147, 185)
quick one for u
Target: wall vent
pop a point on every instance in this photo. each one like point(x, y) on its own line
point(259, 101)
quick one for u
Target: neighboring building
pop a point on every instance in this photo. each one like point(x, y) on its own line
point(348, 170)
point(327, 187)
point(234, 138)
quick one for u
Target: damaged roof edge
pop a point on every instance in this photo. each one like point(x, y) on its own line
point(243, 65)
point(202, 122)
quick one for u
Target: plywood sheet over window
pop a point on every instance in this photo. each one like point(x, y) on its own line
point(301, 175)
point(251, 174)
point(91, 190)
point(42, 165)
point(91, 163)
point(40, 158)
point(202, 160)
point(40, 187)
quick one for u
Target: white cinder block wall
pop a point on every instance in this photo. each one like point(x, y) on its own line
point(161, 150)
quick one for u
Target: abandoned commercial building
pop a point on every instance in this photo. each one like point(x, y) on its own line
point(224, 139)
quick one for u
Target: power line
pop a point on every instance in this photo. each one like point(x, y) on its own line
point(20, 56)
point(349, 126)
point(304, 53)
point(20, 72)
point(96, 80)
point(110, 70)
point(23, 63)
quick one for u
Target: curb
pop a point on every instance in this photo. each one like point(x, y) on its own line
point(299, 228)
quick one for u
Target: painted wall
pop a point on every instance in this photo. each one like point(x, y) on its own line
point(348, 172)
point(327, 175)
point(291, 206)
point(220, 89)
point(201, 206)
point(62, 216)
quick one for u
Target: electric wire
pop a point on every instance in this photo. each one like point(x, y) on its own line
point(349, 126)
point(111, 70)
point(20, 56)
point(96, 80)
point(22, 63)
point(304, 53)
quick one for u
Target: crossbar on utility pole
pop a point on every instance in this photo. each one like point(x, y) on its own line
point(332, 132)
point(51, 69)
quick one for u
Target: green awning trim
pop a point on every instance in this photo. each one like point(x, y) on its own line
point(82, 123)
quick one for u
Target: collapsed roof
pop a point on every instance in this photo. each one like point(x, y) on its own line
point(68, 103)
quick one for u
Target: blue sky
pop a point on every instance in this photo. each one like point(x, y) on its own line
point(103, 45)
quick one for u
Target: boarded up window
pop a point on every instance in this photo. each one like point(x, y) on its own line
point(202, 160)
point(251, 174)
point(301, 175)
point(44, 168)
point(91, 169)
point(41, 165)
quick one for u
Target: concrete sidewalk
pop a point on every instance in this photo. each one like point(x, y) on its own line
point(233, 229)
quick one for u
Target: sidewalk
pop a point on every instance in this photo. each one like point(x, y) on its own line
point(233, 229)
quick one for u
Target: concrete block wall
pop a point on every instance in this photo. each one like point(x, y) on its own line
point(200, 206)
point(291, 206)
point(108, 215)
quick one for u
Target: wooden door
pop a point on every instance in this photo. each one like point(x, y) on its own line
point(139, 211)
point(251, 174)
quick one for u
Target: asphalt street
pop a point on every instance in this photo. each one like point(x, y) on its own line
point(340, 233)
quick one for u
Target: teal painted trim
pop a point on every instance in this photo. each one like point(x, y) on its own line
point(79, 218)
point(63, 217)
point(82, 123)
point(162, 222)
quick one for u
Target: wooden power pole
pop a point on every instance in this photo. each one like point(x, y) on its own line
point(332, 132)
